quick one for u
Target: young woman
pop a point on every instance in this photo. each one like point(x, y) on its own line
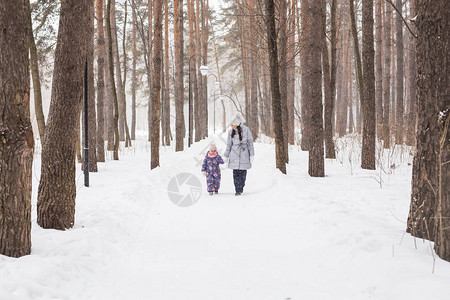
point(240, 152)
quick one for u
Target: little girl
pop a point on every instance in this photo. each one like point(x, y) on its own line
point(211, 169)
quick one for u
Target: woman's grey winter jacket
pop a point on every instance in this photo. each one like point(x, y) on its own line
point(240, 151)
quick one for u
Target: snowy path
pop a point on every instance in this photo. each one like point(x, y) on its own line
point(286, 237)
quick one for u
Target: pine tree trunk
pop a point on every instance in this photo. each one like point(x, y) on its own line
point(368, 96)
point(109, 102)
point(412, 114)
point(275, 87)
point(100, 83)
point(133, 74)
point(194, 96)
point(378, 69)
point(291, 73)
point(156, 88)
point(166, 73)
point(111, 78)
point(329, 79)
point(150, 67)
point(57, 188)
point(430, 208)
point(399, 132)
point(387, 79)
point(254, 68)
point(34, 66)
point(118, 75)
point(305, 71)
point(313, 48)
point(92, 119)
point(16, 135)
point(198, 113)
point(180, 129)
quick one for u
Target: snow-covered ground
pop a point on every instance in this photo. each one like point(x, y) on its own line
point(287, 237)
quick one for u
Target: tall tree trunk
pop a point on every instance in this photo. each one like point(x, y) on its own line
point(118, 76)
point(166, 107)
point(57, 188)
point(368, 96)
point(17, 142)
point(304, 67)
point(92, 119)
point(253, 102)
point(399, 132)
point(124, 83)
point(205, 17)
point(316, 156)
point(195, 106)
point(180, 129)
point(198, 114)
point(430, 208)
point(412, 113)
point(34, 65)
point(111, 78)
point(291, 73)
point(387, 79)
point(150, 67)
point(109, 102)
point(283, 40)
point(329, 81)
point(156, 88)
point(359, 68)
point(133, 74)
point(100, 83)
point(275, 87)
point(378, 69)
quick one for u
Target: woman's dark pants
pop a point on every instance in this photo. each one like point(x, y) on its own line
point(239, 177)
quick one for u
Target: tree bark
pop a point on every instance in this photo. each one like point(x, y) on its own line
point(133, 74)
point(113, 86)
point(195, 105)
point(16, 134)
point(166, 106)
point(92, 119)
point(156, 88)
point(412, 113)
point(368, 96)
point(430, 208)
point(34, 66)
point(387, 79)
point(57, 188)
point(316, 162)
point(275, 85)
point(100, 83)
point(180, 129)
point(399, 132)
point(150, 67)
point(378, 69)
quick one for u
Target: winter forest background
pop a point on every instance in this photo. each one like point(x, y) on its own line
point(347, 100)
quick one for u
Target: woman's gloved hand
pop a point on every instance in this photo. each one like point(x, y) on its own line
point(251, 159)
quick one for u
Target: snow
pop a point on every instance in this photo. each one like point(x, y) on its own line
point(287, 237)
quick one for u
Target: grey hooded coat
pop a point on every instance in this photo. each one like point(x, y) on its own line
point(240, 151)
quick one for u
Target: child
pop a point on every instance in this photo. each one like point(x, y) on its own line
point(211, 169)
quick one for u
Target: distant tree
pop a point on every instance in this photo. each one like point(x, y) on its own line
point(368, 95)
point(387, 78)
point(100, 82)
point(156, 85)
point(313, 45)
point(115, 124)
point(399, 115)
point(57, 188)
point(180, 129)
point(16, 135)
point(275, 85)
point(34, 65)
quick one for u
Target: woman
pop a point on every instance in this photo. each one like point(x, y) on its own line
point(240, 152)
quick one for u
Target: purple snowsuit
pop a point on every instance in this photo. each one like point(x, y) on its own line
point(212, 169)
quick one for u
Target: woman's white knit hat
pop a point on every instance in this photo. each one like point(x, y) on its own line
point(237, 119)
